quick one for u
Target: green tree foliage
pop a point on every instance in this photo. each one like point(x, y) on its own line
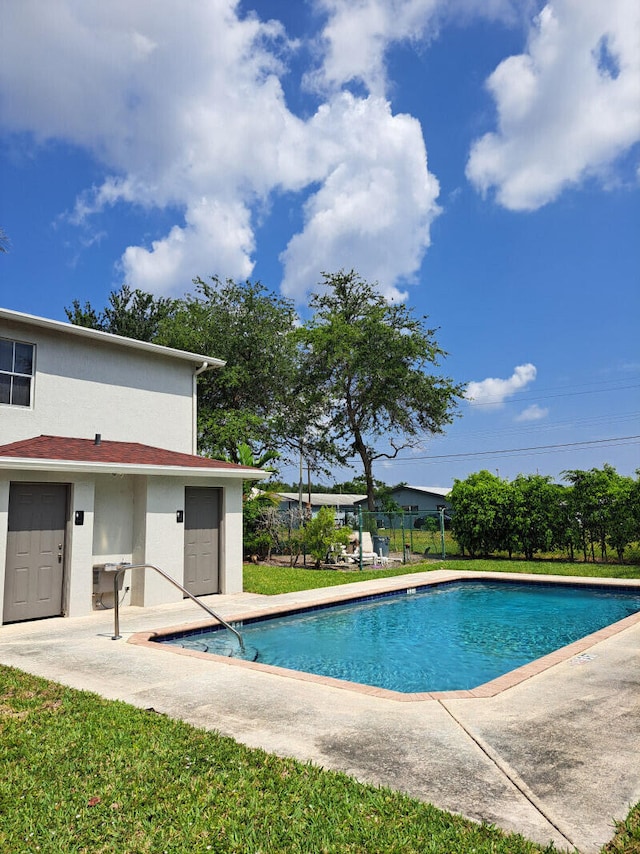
point(624, 514)
point(534, 504)
point(482, 518)
point(602, 505)
point(367, 364)
point(531, 514)
point(261, 523)
point(245, 402)
point(244, 456)
point(320, 533)
point(131, 313)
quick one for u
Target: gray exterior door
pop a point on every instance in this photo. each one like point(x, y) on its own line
point(201, 540)
point(35, 551)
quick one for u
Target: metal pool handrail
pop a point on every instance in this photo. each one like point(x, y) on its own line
point(123, 567)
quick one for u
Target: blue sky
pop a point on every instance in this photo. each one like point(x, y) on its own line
point(479, 159)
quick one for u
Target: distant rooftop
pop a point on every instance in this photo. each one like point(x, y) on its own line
point(433, 490)
point(323, 499)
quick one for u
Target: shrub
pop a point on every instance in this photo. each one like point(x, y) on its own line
point(320, 533)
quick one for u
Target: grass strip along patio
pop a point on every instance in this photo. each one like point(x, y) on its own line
point(84, 774)
point(271, 580)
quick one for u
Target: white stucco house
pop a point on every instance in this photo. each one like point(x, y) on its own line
point(98, 464)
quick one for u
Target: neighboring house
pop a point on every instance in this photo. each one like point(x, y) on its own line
point(421, 499)
point(344, 505)
point(98, 465)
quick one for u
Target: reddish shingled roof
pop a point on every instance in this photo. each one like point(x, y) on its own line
point(118, 453)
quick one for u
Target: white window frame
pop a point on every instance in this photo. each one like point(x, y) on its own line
point(13, 373)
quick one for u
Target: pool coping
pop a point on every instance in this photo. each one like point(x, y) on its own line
point(335, 596)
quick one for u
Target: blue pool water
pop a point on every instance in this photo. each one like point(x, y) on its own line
point(446, 637)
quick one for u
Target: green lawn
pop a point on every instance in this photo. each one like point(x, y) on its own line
point(267, 579)
point(83, 774)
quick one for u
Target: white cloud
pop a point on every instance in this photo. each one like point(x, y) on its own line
point(494, 391)
point(357, 35)
point(213, 231)
point(172, 105)
point(567, 108)
point(186, 112)
point(533, 413)
point(377, 192)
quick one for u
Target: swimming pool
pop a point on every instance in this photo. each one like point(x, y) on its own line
point(449, 636)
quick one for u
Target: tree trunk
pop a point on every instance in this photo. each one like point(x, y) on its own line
point(367, 465)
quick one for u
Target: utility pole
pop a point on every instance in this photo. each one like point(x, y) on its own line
point(300, 485)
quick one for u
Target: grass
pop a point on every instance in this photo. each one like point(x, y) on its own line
point(83, 774)
point(276, 579)
point(627, 838)
point(547, 567)
point(269, 579)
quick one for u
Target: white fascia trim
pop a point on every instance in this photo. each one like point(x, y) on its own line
point(109, 338)
point(64, 466)
point(442, 491)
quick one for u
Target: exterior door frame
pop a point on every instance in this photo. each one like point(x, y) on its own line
point(201, 588)
point(14, 489)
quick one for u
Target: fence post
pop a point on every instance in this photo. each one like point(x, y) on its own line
point(444, 551)
point(359, 537)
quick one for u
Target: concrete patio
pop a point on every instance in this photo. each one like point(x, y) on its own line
point(555, 757)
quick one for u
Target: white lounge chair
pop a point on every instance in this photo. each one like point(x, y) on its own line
point(368, 554)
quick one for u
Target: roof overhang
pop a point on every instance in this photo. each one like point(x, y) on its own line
point(205, 362)
point(440, 491)
point(78, 467)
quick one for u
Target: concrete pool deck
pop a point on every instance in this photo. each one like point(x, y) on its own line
point(555, 757)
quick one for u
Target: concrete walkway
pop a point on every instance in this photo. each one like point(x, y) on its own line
point(555, 757)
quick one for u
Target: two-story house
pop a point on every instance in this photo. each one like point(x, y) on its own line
point(98, 465)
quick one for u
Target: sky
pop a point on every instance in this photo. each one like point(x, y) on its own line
point(477, 159)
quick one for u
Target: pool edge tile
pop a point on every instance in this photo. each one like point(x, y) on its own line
point(486, 690)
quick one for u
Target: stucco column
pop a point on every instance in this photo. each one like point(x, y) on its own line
point(79, 566)
point(4, 522)
point(163, 540)
point(231, 547)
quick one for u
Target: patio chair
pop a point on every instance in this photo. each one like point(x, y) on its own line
point(368, 554)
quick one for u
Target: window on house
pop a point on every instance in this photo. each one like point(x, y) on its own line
point(16, 372)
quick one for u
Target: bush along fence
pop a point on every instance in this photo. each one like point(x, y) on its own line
point(352, 538)
point(597, 512)
point(595, 515)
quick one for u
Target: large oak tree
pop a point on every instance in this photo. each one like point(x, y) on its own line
point(371, 367)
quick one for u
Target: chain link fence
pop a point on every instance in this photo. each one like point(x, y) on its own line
point(396, 537)
point(406, 535)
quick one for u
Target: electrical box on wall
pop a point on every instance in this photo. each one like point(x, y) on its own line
point(103, 574)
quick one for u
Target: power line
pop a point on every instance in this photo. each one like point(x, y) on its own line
point(546, 426)
point(517, 399)
point(505, 451)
